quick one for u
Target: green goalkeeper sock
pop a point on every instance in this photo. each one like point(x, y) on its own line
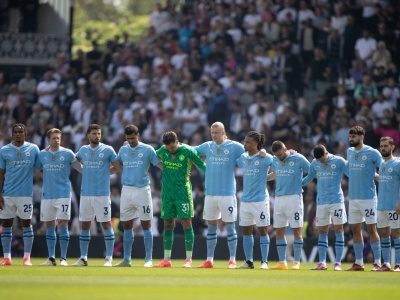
point(189, 241)
point(168, 241)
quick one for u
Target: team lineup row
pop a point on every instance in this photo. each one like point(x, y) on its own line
point(222, 156)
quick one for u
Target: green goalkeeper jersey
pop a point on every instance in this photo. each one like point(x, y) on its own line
point(176, 169)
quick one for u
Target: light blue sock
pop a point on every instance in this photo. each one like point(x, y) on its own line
point(358, 252)
point(84, 239)
point(64, 241)
point(297, 247)
point(376, 249)
point(109, 240)
point(397, 250)
point(148, 243)
point(339, 246)
point(232, 239)
point(27, 236)
point(211, 240)
point(128, 242)
point(51, 239)
point(281, 246)
point(248, 243)
point(322, 246)
point(6, 237)
point(386, 245)
point(264, 245)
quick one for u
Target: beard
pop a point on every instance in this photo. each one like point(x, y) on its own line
point(386, 154)
point(95, 142)
point(354, 144)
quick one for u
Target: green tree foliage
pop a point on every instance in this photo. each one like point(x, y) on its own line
point(101, 20)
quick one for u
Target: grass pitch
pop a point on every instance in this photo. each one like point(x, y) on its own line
point(97, 282)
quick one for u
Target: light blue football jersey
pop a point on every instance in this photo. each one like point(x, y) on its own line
point(136, 162)
point(56, 168)
point(19, 164)
point(329, 175)
point(389, 184)
point(221, 164)
point(362, 166)
point(289, 174)
point(255, 172)
point(96, 169)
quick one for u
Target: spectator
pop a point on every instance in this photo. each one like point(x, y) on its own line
point(47, 90)
point(27, 86)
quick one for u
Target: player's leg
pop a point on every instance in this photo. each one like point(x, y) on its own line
point(102, 209)
point(339, 217)
point(48, 216)
point(228, 208)
point(168, 240)
point(295, 218)
point(247, 223)
point(386, 248)
point(63, 215)
point(127, 214)
point(189, 241)
point(211, 214)
point(24, 211)
point(86, 215)
point(144, 206)
point(356, 217)
point(396, 239)
point(280, 224)
point(264, 246)
point(8, 215)
point(370, 210)
point(261, 216)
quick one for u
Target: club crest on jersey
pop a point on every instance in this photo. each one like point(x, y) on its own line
point(256, 162)
point(181, 157)
point(101, 155)
point(27, 153)
point(92, 155)
point(53, 158)
point(383, 170)
point(364, 157)
point(356, 156)
point(333, 166)
point(218, 151)
point(19, 154)
point(291, 163)
point(62, 158)
point(226, 151)
point(132, 155)
point(390, 170)
point(140, 154)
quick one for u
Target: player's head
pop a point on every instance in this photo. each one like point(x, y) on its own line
point(356, 136)
point(93, 133)
point(218, 133)
point(254, 141)
point(320, 153)
point(279, 150)
point(170, 141)
point(386, 146)
point(19, 133)
point(132, 135)
point(54, 137)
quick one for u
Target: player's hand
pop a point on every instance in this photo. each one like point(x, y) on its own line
point(398, 208)
point(376, 177)
point(47, 148)
point(262, 153)
point(1, 202)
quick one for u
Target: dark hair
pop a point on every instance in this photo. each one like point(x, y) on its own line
point(18, 125)
point(51, 131)
point(277, 145)
point(93, 127)
point(319, 151)
point(131, 129)
point(258, 137)
point(169, 137)
point(387, 138)
point(357, 130)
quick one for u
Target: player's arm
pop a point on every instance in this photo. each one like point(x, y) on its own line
point(77, 166)
point(159, 165)
point(310, 176)
point(398, 208)
point(271, 176)
point(115, 167)
point(2, 172)
point(198, 161)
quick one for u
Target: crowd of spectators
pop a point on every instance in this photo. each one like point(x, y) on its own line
point(302, 72)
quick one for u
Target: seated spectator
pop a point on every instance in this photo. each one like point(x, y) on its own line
point(27, 86)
